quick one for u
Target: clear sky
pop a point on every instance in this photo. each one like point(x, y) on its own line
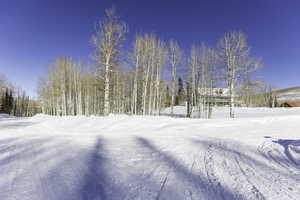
point(33, 33)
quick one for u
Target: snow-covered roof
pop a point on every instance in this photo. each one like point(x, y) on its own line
point(224, 92)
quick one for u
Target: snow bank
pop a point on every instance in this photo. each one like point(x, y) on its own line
point(4, 115)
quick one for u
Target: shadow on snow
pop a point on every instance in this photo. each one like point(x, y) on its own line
point(289, 147)
point(194, 179)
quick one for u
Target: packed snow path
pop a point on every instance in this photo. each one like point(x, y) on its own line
point(123, 157)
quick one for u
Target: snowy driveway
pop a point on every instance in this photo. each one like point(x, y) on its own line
point(122, 157)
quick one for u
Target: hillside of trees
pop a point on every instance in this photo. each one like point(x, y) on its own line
point(15, 102)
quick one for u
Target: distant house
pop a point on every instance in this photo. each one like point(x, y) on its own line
point(289, 104)
point(216, 92)
point(219, 96)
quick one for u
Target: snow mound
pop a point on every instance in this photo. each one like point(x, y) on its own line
point(4, 115)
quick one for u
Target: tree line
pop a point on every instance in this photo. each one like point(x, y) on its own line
point(146, 79)
point(16, 102)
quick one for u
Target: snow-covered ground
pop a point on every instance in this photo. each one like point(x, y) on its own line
point(256, 156)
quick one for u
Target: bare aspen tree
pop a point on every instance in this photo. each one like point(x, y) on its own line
point(248, 91)
point(147, 67)
point(205, 86)
point(194, 65)
point(149, 59)
point(214, 78)
point(203, 80)
point(161, 60)
point(234, 54)
point(137, 54)
point(151, 75)
point(175, 57)
point(209, 78)
point(107, 40)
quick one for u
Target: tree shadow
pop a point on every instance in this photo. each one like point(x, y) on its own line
point(19, 158)
point(7, 141)
point(267, 137)
point(195, 179)
point(13, 125)
point(94, 180)
point(87, 175)
point(6, 117)
point(20, 149)
point(11, 118)
point(174, 115)
point(80, 174)
point(14, 122)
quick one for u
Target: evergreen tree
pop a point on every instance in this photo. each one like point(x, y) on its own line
point(7, 102)
point(10, 102)
point(2, 103)
point(188, 99)
point(180, 92)
point(168, 97)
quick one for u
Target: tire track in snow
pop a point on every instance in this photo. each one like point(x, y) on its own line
point(241, 183)
point(10, 169)
point(154, 170)
point(274, 179)
point(260, 179)
point(64, 179)
point(25, 184)
point(263, 177)
point(213, 180)
point(244, 188)
point(162, 186)
point(34, 180)
point(57, 181)
point(254, 178)
point(173, 172)
point(256, 194)
point(269, 182)
point(66, 174)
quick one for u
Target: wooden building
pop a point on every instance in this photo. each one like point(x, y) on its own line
point(289, 104)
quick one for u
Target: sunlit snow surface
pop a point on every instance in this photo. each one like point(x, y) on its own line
point(255, 156)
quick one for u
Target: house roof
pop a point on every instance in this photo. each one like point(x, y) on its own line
point(291, 104)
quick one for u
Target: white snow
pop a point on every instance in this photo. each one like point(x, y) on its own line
point(255, 156)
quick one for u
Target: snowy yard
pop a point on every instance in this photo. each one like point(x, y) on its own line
point(256, 156)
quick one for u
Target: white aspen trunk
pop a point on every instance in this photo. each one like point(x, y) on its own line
point(70, 99)
point(145, 89)
point(160, 99)
point(106, 88)
point(157, 102)
point(80, 111)
point(64, 93)
point(175, 59)
point(232, 85)
point(150, 106)
point(135, 89)
point(173, 88)
point(194, 92)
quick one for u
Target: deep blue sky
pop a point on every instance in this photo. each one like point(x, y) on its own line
point(33, 33)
